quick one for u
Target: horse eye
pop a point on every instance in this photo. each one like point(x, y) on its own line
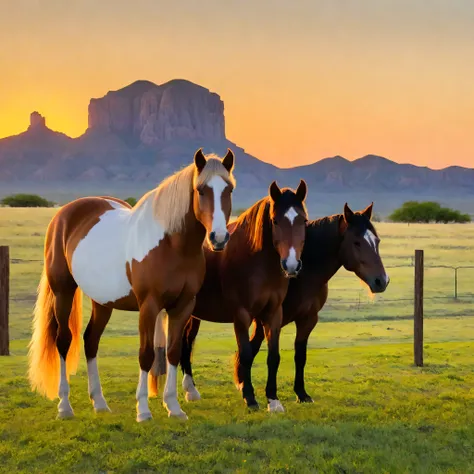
point(275, 222)
point(357, 243)
point(201, 192)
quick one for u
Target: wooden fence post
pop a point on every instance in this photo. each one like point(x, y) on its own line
point(4, 299)
point(418, 315)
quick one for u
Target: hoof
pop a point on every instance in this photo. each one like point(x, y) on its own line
point(141, 417)
point(178, 415)
point(239, 386)
point(63, 415)
point(305, 399)
point(193, 396)
point(102, 409)
point(252, 405)
point(275, 406)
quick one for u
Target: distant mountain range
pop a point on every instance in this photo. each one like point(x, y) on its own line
point(139, 134)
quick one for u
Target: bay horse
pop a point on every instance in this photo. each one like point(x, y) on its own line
point(249, 280)
point(346, 240)
point(144, 258)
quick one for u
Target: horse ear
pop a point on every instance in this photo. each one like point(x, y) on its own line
point(200, 160)
point(367, 212)
point(348, 213)
point(302, 190)
point(228, 160)
point(274, 191)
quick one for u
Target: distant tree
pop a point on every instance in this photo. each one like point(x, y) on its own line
point(131, 200)
point(26, 200)
point(429, 211)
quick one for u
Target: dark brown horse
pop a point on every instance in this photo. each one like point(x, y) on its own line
point(346, 240)
point(146, 258)
point(249, 280)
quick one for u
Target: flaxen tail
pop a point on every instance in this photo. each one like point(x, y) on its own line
point(43, 355)
point(157, 373)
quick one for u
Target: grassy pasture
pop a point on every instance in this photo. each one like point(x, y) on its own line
point(373, 411)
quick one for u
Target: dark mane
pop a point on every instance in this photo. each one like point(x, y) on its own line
point(329, 226)
point(325, 227)
point(254, 221)
point(362, 224)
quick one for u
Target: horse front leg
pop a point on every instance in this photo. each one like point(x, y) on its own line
point(256, 340)
point(272, 328)
point(304, 326)
point(242, 321)
point(189, 336)
point(178, 316)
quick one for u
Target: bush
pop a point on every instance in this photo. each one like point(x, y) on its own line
point(131, 200)
point(415, 212)
point(26, 200)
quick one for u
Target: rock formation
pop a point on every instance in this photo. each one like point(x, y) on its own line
point(37, 121)
point(152, 115)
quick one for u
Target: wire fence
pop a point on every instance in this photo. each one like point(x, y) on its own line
point(356, 297)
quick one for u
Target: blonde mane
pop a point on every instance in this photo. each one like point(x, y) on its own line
point(172, 198)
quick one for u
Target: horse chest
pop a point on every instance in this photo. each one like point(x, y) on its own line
point(100, 259)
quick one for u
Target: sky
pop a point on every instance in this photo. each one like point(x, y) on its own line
point(301, 80)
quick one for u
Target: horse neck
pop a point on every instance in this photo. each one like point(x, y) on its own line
point(191, 237)
point(321, 255)
point(267, 253)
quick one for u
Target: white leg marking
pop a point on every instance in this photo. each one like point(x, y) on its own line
point(64, 407)
point(143, 411)
point(170, 395)
point(95, 389)
point(275, 406)
point(291, 214)
point(191, 392)
point(217, 184)
point(291, 262)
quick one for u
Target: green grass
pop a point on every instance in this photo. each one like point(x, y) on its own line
point(373, 412)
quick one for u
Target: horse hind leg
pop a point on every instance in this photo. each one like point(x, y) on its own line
point(189, 336)
point(99, 318)
point(63, 306)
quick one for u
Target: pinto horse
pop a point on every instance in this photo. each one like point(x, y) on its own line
point(249, 280)
point(346, 240)
point(147, 258)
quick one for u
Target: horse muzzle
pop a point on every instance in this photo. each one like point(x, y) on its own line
point(218, 243)
point(378, 284)
point(291, 270)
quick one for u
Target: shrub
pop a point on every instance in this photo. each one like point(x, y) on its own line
point(429, 211)
point(131, 200)
point(26, 200)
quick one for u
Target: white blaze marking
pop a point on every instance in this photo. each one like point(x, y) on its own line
point(120, 236)
point(291, 214)
point(371, 239)
point(291, 262)
point(217, 184)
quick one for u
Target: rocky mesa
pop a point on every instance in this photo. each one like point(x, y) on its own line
point(153, 115)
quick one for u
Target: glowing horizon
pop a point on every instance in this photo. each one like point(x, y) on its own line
point(299, 84)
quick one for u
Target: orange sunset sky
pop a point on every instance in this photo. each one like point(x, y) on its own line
point(301, 79)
